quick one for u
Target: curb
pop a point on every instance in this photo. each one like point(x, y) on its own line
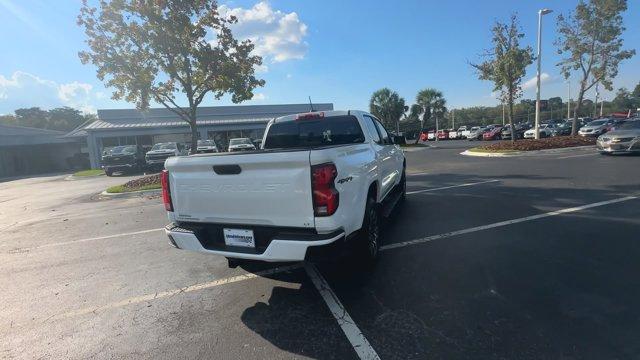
point(132, 193)
point(73, 177)
point(488, 154)
point(523, 153)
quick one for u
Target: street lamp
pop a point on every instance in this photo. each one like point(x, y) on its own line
point(541, 12)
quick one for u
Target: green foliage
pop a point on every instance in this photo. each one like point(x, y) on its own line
point(430, 103)
point(388, 106)
point(154, 50)
point(62, 119)
point(636, 91)
point(590, 39)
point(91, 172)
point(506, 62)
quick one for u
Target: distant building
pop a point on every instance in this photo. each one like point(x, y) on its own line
point(220, 123)
point(28, 151)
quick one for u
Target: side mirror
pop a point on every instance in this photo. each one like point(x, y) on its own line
point(397, 139)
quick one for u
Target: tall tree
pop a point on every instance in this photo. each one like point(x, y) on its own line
point(623, 101)
point(32, 117)
point(431, 103)
point(506, 63)
point(388, 106)
point(636, 91)
point(590, 39)
point(155, 50)
point(65, 118)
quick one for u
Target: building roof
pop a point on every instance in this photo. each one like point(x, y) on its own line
point(214, 115)
point(20, 135)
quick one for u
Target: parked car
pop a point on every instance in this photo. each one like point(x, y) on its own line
point(546, 130)
point(506, 132)
point(443, 134)
point(562, 129)
point(595, 128)
point(463, 132)
point(207, 146)
point(476, 133)
point(161, 152)
point(321, 181)
point(431, 135)
point(241, 144)
point(453, 134)
point(122, 159)
point(495, 133)
point(625, 139)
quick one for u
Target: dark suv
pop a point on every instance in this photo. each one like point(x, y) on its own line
point(122, 158)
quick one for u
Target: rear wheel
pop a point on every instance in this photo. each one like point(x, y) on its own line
point(368, 242)
point(108, 172)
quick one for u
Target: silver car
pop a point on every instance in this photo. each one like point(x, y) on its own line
point(595, 128)
point(624, 139)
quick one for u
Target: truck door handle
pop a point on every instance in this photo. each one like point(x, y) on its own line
point(227, 169)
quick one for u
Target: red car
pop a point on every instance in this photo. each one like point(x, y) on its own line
point(443, 134)
point(493, 134)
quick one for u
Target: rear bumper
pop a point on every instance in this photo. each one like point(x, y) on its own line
point(277, 250)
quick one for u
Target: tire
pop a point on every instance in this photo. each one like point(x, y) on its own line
point(368, 247)
point(403, 186)
point(108, 172)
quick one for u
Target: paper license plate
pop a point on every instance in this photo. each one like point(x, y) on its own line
point(239, 237)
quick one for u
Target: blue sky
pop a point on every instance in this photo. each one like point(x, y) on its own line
point(333, 51)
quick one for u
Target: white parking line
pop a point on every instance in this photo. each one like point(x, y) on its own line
point(504, 223)
point(574, 156)
point(86, 240)
point(451, 187)
point(418, 174)
point(186, 289)
point(354, 335)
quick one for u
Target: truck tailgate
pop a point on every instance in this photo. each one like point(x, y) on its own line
point(271, 188)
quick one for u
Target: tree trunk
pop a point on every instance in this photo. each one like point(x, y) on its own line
point(194, 137)
point(513, 129)
point(576, 110)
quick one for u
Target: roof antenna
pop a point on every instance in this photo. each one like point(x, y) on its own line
point(311, 105)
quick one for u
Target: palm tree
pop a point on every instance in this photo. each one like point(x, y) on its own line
point(431, 103)
point(388, 106)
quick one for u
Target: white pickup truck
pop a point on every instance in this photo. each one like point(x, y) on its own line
point(320, 181)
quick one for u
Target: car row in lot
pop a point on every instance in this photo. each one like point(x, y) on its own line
point(135, 158)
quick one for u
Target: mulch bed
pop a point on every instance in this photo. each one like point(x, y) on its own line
point(541, 144)
point(143, 181)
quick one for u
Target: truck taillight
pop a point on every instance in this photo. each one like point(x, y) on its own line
point(166, 191)
point(325, 196)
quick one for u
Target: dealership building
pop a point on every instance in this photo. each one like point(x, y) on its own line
point(219, 123)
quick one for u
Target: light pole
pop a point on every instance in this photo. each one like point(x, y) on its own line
point(541, 12)
point(568, 99)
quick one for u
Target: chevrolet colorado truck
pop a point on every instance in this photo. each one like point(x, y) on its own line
point(321, 180)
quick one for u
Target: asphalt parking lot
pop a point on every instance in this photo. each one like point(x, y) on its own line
point(521, 258)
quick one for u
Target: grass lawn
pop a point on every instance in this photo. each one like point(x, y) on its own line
point(150, 182)
point(90, 172)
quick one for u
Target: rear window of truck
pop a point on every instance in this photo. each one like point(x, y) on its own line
point(333, 130)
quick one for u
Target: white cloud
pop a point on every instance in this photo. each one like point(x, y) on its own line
point(259, 97)
point(23, 89)
point(531, 83)
point(277, 36)
point(261, 69)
